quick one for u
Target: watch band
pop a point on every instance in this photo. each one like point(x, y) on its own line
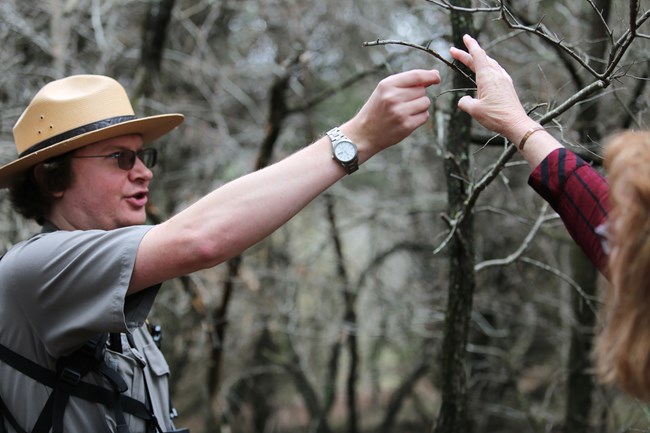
point(336, 136)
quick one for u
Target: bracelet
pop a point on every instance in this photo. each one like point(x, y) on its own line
point(528, 133)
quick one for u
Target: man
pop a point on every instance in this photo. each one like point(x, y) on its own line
point(83, 173)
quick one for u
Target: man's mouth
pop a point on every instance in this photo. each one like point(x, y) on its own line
point(139, 199)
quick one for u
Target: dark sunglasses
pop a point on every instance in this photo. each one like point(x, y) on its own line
point(126, 158)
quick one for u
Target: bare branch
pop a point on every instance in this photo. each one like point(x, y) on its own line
point(446, 5)
point(601, 17)
point(619, 48)
point(422, 48)
point(538, 29)
point(335, 89)
point(634, 10)
point(590, 300)
point(541, 219)
point(541, 31)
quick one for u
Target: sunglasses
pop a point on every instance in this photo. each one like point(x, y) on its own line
point(126, 158)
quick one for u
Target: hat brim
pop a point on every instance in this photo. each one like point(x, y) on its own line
point(150, 128)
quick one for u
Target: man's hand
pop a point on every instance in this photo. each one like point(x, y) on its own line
point(397, 107)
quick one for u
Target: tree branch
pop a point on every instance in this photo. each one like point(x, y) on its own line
point(422, 48)
point(541, 219)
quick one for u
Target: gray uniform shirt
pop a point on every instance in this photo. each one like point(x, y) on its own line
point(58, 290)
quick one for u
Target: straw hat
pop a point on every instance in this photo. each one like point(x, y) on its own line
point(73, 112)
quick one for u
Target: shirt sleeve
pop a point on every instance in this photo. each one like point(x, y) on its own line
point(580, 195)
point(72, 285)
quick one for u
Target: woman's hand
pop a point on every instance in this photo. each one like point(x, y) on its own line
point(496, 105)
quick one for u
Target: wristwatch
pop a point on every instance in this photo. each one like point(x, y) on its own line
point(344, 151)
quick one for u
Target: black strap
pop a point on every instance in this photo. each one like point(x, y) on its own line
point(45, 419)
point(4, 413)
point(119, 386)
point(116, 342)
point(87, 391)
point(70, 369)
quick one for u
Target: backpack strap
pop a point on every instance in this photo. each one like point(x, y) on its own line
point(6, 415)
point(70, 370)
point(66, 382)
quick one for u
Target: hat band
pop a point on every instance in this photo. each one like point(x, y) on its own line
point(100, 124)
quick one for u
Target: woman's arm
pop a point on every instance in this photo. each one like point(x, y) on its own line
point(577, 192)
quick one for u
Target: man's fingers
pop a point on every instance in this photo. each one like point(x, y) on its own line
point(419, 105)
point(415, 77)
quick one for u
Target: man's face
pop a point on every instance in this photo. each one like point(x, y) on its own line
point(102, 195)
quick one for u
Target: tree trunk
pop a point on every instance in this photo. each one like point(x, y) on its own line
point(580, 383)
point(219, 321)
point(154, 35)
point(453, 416)
point(349, 320)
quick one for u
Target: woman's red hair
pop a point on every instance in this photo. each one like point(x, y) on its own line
point(623, 346)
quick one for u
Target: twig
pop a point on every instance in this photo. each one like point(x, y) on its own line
point(542, 218)
point(619, 48)
point(588, 298)
point(322, 96)
point(449, 6)
point(422, 48)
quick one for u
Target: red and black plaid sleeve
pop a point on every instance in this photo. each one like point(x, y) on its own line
point(579, 194)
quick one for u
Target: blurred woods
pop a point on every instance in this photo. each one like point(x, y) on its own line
point(430, 291)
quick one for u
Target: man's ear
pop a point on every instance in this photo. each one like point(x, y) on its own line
point(39, 175)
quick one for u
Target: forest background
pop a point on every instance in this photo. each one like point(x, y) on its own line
point(430, 291)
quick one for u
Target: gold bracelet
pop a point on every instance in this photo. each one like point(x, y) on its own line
point(528, 133)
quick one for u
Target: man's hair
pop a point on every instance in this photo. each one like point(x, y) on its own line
point(622, 345)
point(32, 195)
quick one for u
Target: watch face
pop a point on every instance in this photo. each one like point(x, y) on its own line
point(345, 151)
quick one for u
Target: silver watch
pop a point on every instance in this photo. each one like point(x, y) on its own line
point(344, 151)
